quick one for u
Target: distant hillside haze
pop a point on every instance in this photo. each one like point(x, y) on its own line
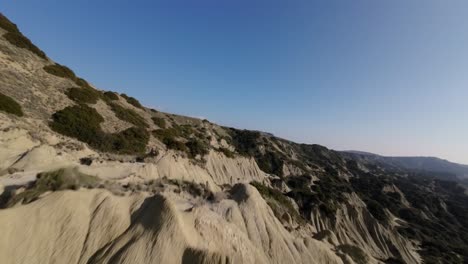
point(429, 164)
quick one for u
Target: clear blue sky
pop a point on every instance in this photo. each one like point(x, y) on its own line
point(389, 77)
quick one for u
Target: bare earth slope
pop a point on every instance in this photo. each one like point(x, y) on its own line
point(95, 226)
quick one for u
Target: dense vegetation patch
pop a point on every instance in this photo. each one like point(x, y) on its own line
point(184, 131)
point(377, 210)
point(130, 141)
point(196, 147)
point(271, 162)
point(175, 144)
point(170, 137)
point(278, 202)
point(356, 253)
point(370, 191)
point(227, 152)
point(7, 25)
point(160, 122)
point(163, 134)
point(246, 142)
point(65, 72)
point(83, 95)
point(9, 105)
point(15, 37)
point(249, 143)
point(325, 195)
point(317, 155)
point(83, 123)
point(111, 96)
point(61, 179)
point(132, 101)
point(78, 121)
point(270, 152)
point(23, 42)
point(60, 71)
point(82, 82)
point(128, 115)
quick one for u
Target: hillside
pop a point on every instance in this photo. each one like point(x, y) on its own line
point(447, 169)
point(92, 176)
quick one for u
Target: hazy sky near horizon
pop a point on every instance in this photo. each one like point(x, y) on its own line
point(389, 77)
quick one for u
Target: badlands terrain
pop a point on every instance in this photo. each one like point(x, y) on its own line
point(92, 176)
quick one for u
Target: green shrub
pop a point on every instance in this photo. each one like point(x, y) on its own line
point(174, 144)
point(227, 152)
point(83, 83)
point(64, 179)
point(60, 179)
point(128, 115)
point(83, 123)
point(271, 162)
point(266, 191)
point(162, 134)
point(65, 72)
point(195, 189)
point(6, 24)
point(78, 121)
point(168, 137)
point(23, 42)
point(130, 141)
point(245, 141)
point(377, 210)
point(356, 253)
point(15, 37)
point(325, 194)
point(328, 208)
point(111, 96)
point(83, 95)
point(277, 201)
point(60, 71)
point(196, 147)
point(184, 131)
point(9, 105)
point(254, 144)
point(160, 122)
point(132, 101)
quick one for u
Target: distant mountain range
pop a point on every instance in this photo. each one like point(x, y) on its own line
point(426, 164)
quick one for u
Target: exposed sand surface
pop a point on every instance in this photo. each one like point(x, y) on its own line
point(95, 226)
